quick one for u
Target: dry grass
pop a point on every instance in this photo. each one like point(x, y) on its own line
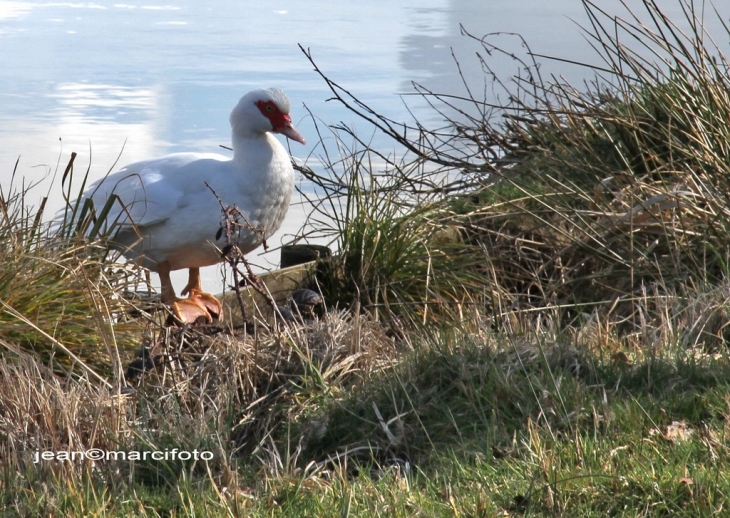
point(249, 384)
point(229, 381)
point(227, 394)
point(585, 200)
point(400, 253)
point(59, 295)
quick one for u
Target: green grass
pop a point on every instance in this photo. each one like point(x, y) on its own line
point(59, 292)
point(583, 200)
point(478, 425)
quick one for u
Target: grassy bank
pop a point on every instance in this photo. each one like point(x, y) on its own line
point(462, 423)
point(527, 317)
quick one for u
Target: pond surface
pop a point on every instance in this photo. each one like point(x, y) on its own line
point(118, 81)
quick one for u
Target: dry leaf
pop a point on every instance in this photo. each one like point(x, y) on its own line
point(676, 431)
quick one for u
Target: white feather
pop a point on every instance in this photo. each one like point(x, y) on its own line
point(168, 214)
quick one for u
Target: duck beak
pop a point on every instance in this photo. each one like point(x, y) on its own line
point(290, 131)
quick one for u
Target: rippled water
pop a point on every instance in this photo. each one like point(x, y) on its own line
point(126, 81)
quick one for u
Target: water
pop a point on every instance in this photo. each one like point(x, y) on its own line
point(120, 82)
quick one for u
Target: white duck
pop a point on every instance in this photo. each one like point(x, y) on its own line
point(169, 218)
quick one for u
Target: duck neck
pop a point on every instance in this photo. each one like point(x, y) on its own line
point(250, 146)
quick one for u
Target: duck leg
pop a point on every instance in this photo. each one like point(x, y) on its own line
point(196, 293)
point(198, 304)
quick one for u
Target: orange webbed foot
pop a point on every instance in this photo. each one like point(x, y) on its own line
point(198, 305)
point(211, 304)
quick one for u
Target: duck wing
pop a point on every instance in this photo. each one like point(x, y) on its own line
point(152, 191)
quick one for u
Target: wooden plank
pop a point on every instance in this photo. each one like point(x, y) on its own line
point(280, 284)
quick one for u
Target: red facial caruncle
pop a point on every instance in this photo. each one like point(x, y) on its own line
point(280, 122)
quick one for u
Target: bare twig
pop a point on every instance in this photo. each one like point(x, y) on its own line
point(230, 226)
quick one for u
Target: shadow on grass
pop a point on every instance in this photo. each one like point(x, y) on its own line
point(539, 428)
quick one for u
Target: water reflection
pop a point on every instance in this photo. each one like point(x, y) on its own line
point(95, 121)
point(144, 78)
point(13, 9)
point(430, 52)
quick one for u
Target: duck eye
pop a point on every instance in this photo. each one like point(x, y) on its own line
point(269, 108)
